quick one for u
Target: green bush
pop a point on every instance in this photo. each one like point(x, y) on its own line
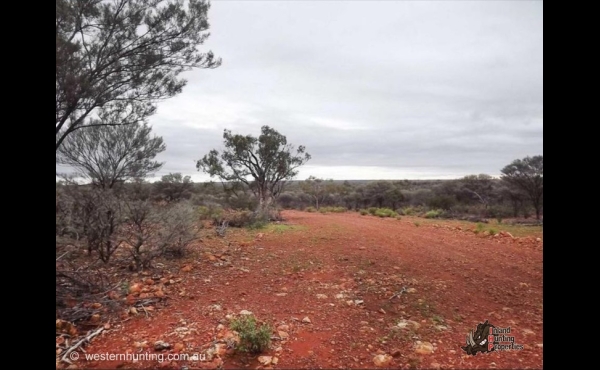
point(364, 212)
point(434, 213)
point(372, 210)
point(210, 212)
point(241, 219)
point(253, 338)
point(385, 212)
point(479, 228)
point(311, 209)
point(408, 211)
point(333, 209)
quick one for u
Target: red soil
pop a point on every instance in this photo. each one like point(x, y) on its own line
point(459, 279)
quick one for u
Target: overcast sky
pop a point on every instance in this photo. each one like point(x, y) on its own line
point(373, 89)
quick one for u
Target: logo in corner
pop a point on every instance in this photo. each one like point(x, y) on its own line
point(488, 338)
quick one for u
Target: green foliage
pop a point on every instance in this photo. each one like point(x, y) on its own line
point(242, 219)
point(385, 212)
point(479, 228)
point(254, 338)
point(436, 213)
point(110, 155)
point(210, 212)
point(333, 209)
point(174, 187)
point(257, 224)
point(527, 175)
point(493, 231)
point(116, 59)
point(311, 209)
point(417, 223)
point(262, 163)
point(409, 211)
point(379, 212)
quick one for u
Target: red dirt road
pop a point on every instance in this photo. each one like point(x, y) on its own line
point(322, 268)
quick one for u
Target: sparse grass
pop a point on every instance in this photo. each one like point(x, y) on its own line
point(311, 209)
point(437, 319)
point(254, 338)
point(417, 223)
point(281, 228)
point(515, 230)
point(364, 212)
point(426, 309)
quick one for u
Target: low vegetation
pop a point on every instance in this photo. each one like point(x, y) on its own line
point(255, 337)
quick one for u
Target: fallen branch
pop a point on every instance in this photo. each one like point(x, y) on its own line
point(398, 293)
point(62, 255)
point(144, 308)
point(78, 344)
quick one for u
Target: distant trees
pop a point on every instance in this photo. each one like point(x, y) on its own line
point(480, 187)
point(116, 59)
point(383, 192)
point(107, 155)
point(174, 187)
point(527, 175)
point(263, 163)
point(317, 189)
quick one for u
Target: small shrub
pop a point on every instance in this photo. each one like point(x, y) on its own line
point(492, 231)
point(311, 209)
point(385, 212)
point(253, 338)
point(417, 224)
point(408, 211)
point(211, 212)
point(434, 213)
point(499, 219)
point(372, 210)
point(364, 212)
point(240, 219)
point(479, 228)
point(258, 224)
point(333, 209)
point(398, 217)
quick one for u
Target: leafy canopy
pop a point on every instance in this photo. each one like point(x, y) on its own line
point(115, 59)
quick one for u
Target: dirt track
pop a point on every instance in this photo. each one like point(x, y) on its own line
point(455, 280)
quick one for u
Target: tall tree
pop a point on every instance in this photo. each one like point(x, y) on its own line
point(263, 163)
point(108, 155)
point(527, 174)
point(115, 59)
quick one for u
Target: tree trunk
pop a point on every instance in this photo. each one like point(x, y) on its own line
point(265, 201)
